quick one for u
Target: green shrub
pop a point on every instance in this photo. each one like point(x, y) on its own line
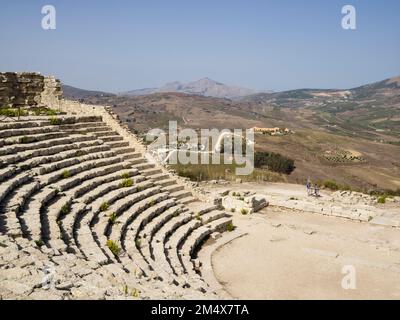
point(125, 175)
point(138, 243)
point(244, 211)
point(51, 112)
point(382, 199)
point(39, 243)
point(386, 192)
point(126, 183)
point(274, 162)
point(331, 184)
point(198, 216)
point(113, 218)
point(65, 174)
point(114, 248)
point(233, 209)
point(55, 121)
point(65, 209)
point(104, 206)
point(230, 227)
point(13, 112)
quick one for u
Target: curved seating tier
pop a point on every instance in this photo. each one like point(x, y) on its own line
point(76, 187)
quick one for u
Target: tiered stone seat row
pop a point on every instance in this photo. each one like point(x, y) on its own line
point(74, 186)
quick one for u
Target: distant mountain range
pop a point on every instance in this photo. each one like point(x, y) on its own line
point(77, 94)
point(389, 88)
point(205, 87)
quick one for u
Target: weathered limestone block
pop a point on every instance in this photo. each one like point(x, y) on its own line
point(243, 202)
point(29, 89)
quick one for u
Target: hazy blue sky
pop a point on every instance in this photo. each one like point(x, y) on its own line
point(121, 45)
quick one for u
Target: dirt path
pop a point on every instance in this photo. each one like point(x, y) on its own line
point(345, 204)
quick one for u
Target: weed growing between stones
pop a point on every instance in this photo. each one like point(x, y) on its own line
point(126, 183)
point(113, 218)
point(104, 206)
point(65, 174)
point(230, 227)
point(125, 175)
point(55, 121)
point(114, 248)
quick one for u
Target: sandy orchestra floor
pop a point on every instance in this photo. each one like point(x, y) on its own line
point(289, 254)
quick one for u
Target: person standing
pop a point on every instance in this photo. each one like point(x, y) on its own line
point(316, 190)
point(308, 185)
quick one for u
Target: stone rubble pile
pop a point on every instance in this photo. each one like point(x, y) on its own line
point(244, 202)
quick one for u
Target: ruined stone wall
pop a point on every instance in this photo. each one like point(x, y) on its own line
point(29, 89)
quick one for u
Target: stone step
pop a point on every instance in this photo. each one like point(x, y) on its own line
point(157, 244)
point(65, 163)
point(89, 175)
point(196, 237)
point(32, 217)
point(143, 166)
point(174, 242)
point(160, 176)
point(162, 203)
point(109, 183)
point(13, 149)
point(125, 150)
point(113, 138)
point(151, 172)
point(68, 175)
point(49, 151)
point(147, 233)
point(180, 194)
point(191, 245)
point(118, 201)
point(28, 139)
point(9, 185)
point(108, 133)
point(126, 209)
point(7, 172)
point(187, 200)
point(34, 162)
point(69, 222)
point(180, 235)
point(118, 144)
point(166, 182)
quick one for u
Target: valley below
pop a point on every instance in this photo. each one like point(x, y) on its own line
point(349, 136)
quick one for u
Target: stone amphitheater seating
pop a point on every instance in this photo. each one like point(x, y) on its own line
point(63, 200)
